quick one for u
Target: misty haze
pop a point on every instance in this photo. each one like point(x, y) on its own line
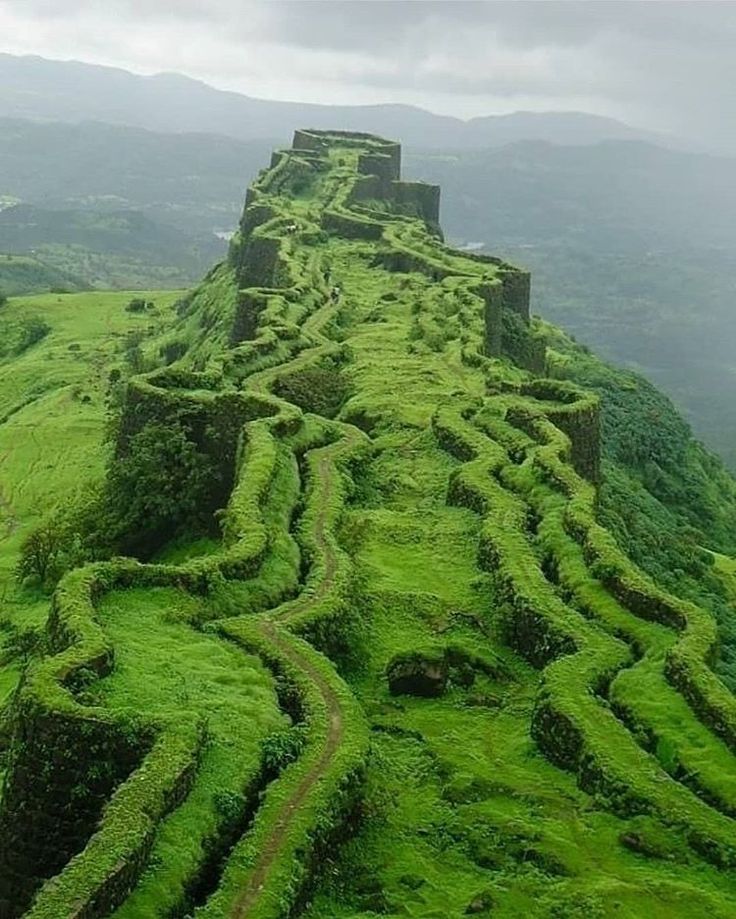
point(367, 454)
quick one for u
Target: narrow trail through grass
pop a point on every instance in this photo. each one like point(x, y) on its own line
point(412, 615)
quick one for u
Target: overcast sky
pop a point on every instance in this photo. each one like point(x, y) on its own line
point(662, 65)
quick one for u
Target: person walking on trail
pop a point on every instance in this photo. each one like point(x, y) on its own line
point(335, 293)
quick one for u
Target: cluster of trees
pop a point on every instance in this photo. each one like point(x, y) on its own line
point(139, 305)
point(153, 490)
point(20, 335)
point(321, 390)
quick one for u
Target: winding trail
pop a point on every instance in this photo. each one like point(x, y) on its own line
point(269, 628)
point(277, 836)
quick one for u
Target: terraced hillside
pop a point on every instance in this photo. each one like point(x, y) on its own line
point(359, 644)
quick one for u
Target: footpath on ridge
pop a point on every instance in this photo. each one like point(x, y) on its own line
point(342, 342)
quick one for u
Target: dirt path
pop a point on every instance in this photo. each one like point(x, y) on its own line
point(335, 729)
point(280, 826)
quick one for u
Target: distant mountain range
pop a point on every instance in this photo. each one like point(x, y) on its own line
point(48, 90)
point(632, 245)
point(195, 182)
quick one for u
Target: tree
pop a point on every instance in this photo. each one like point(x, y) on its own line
point(20, 644)
point(71, 535)
point(39, 552)
point(160, 483)
point(32, 331)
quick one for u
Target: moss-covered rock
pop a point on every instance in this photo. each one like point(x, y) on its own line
point(417, 674)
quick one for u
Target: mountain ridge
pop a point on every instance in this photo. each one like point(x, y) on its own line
point(74, 90)
point(399, 600)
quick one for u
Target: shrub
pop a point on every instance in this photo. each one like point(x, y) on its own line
point(316, 389)
point(138, 305)
point(20, 644)
point(133, 351)
point(71, 536)
point(183, 305)
point(281, 748)
point(230, 805)
point(32, 331)
point(172, 351)
point(159, 484)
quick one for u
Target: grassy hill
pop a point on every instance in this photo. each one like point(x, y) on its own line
point(56, 357)
point(397, 600)
point(643, 233)
point(22, 274)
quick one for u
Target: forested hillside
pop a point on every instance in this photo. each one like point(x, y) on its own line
point(24, 274)
point(106, 247)
point(370, 593)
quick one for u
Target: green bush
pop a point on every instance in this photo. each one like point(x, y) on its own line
point(68, 537)
point(172, 351)
point(282, 748)
point(20, 644)
point(321, 390)
point(138, 305)
point(157, 486)
point(32, 331)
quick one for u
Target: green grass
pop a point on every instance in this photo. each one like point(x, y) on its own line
point(450, 521)
point(166, 665)
point(53, 416)
point(462, 804)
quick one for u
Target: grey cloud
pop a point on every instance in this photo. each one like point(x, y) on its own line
point(664, 64)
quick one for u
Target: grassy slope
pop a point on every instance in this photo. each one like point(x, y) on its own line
point(155, 633)
point(463, 809)
point(463, 813)
point(669, 502)
point(52, 400)
point(53, 397)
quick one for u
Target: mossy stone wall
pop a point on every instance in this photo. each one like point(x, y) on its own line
point(61, 772)
point(516, 291)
